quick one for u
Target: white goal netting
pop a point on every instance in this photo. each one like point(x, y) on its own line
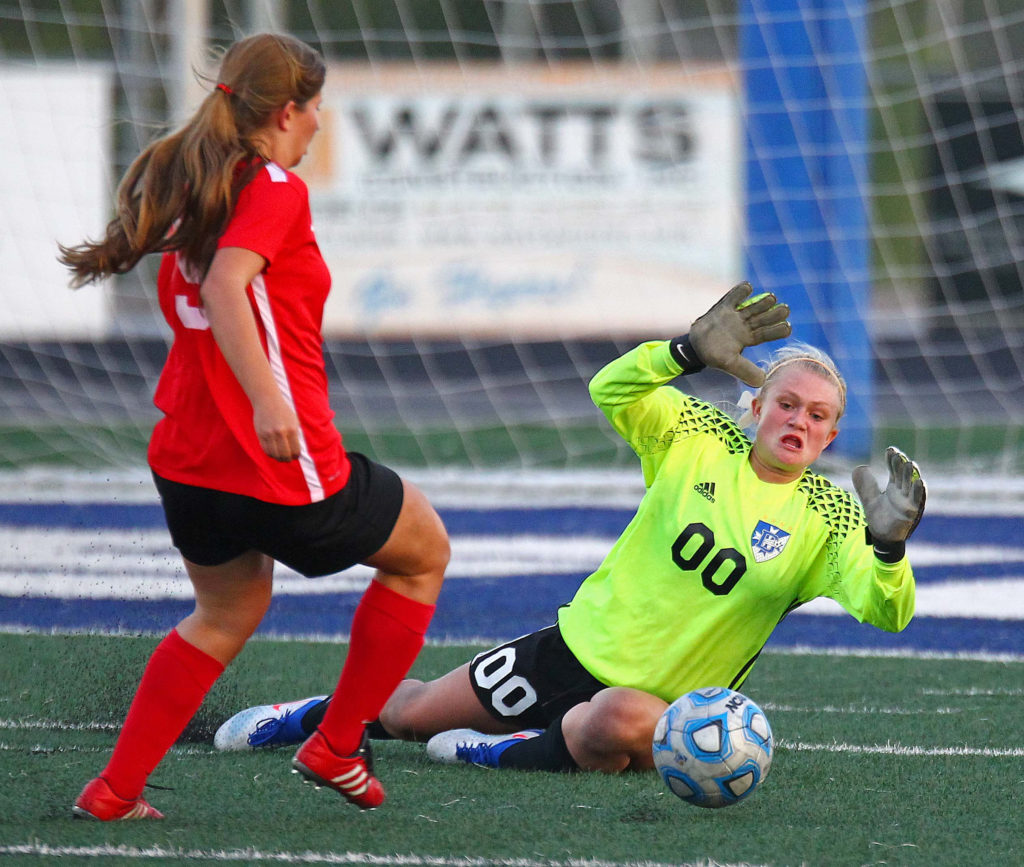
point(510, 192)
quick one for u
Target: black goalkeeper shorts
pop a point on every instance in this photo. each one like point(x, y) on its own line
point(531, 681)
point(211, 527)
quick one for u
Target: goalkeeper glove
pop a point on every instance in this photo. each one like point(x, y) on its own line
point(737, 321)
point(891, 514)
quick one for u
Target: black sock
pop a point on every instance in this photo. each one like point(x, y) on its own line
point(377, 732)
point(315, 715)
point(546, 752)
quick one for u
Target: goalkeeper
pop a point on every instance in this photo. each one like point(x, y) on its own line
point(730, 536)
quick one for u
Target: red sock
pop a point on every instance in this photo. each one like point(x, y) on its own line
point(177, 678)
point(387, 634)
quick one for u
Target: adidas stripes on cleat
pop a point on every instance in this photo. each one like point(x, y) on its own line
point(99, 802)
point(350, 776)
point(266, 725)
point(473, 747)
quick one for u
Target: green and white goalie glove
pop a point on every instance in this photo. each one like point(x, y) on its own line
point(737, 321)
point(892, 514)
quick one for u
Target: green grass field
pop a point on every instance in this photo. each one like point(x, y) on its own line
point(879, 760)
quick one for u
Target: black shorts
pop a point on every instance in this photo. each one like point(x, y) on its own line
point(532, 680)
point(212, 527)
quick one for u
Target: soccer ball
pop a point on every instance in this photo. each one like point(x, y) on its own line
point(713, 747)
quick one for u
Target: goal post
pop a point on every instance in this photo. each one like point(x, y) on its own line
point(807, 231)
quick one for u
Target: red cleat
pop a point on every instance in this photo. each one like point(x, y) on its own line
point(350, 776)
point(99, 802)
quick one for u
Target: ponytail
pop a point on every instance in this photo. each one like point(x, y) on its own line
point(180, 192)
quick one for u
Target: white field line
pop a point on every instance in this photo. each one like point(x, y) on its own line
point(57, 725)
point(974, 691)
point(852, 710)
point(897, 653)
point(900, 749)
point(800, 746)
point(48, 749)
point(252, 856)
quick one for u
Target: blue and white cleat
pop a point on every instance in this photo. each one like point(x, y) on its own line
point(473, 747)
point(266, 725)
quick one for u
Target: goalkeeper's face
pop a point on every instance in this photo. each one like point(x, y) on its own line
point(796, 416)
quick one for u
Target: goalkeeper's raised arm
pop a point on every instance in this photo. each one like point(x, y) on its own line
point(735, 322)
point(631, 390)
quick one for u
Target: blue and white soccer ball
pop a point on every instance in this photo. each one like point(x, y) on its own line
point(713, 747)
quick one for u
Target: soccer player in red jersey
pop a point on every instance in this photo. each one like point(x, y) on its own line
point(247, 461)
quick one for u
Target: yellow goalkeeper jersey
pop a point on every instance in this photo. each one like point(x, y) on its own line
point(714, 557)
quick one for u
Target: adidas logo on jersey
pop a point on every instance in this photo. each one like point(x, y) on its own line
point(706, 490)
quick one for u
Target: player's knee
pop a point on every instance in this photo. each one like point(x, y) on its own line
point(429, 529)
point(236, 621)
point(425, 580)
point(437, 553)
point(419, 549)
point(621, 719)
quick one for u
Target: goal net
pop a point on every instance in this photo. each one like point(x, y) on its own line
point(510, 193)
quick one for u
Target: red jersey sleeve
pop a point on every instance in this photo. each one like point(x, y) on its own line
point(264, 215)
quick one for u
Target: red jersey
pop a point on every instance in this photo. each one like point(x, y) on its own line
point(206, 437)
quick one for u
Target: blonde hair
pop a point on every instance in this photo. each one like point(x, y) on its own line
point(180, 192)
point(805, 357)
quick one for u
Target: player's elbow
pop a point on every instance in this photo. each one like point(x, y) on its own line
point(903, 621)
point(897, 618)
point(598, 390)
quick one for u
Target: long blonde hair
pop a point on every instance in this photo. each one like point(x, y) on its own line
point(180, 192)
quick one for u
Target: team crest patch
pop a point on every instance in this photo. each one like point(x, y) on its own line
point(767, 541)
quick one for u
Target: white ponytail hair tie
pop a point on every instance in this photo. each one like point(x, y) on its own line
point(746, 403)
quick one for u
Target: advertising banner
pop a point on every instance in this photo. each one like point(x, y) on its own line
point(525, 201)
point(54, 131)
